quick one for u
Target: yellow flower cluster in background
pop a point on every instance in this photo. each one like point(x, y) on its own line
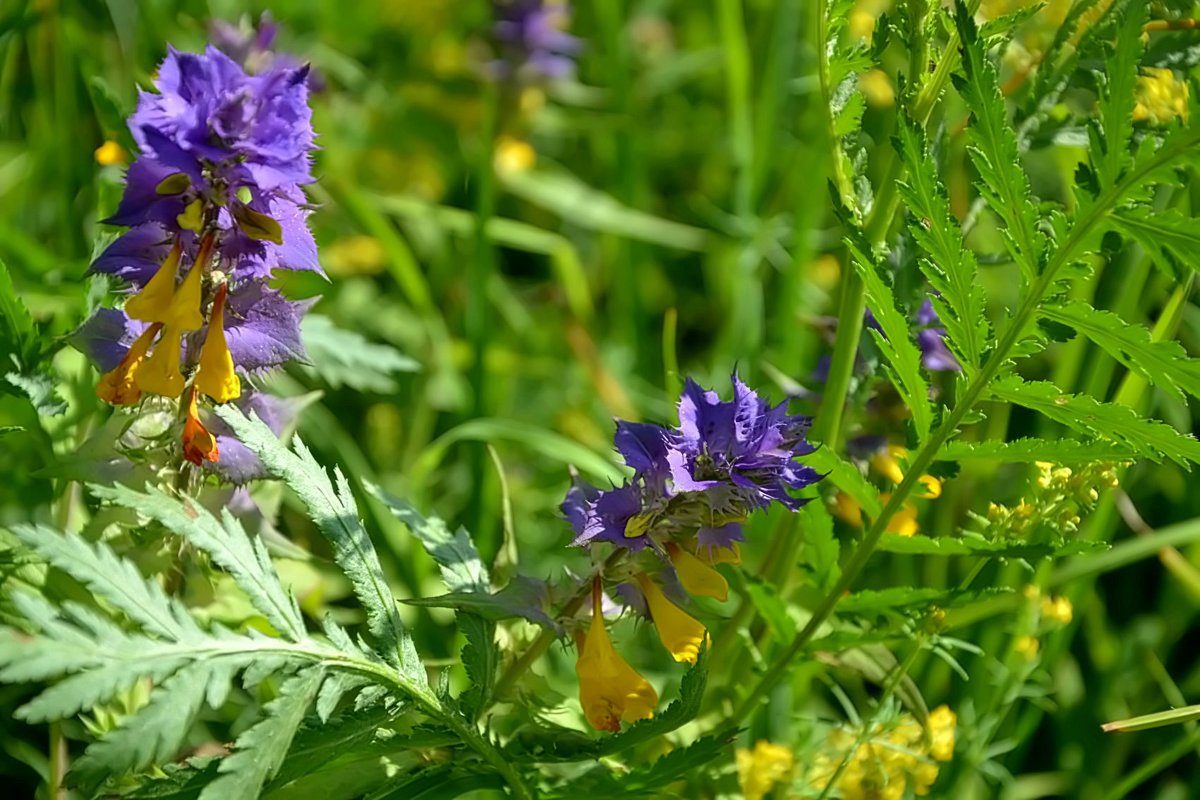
point(1062, 496)
point(891, 758)
point(1161, 97)
point(887, 462)
point(762, 769)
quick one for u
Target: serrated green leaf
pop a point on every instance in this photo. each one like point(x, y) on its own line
point(461, 566)
point(771, 607)
point(481, 658)
point(1115, 106)
point(846, 477)
point(994, 151)
point(334, 511)
point(260, 751)
point(678, 763)
point(1061, 451)
point(524, 597)
point(950, 267)
point(226, 543)
point(821, 548)
point(40, 390)
point(112, 578)
point(1148, 437)
point(1164, 363)
point(342, 357)
point(154, 734)
point(1171, 239)
point(18, 336)
point(896, 340)
point(316, 745)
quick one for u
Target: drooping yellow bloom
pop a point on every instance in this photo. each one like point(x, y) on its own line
point(119, 385)
point(199, 445)
point(513, 156)
point(216, 377)
point(679, 632)
point(161, 373)
point(609, 689)
point(110, 153)
point(696, 576)
point(760, 770)
point(153, 302)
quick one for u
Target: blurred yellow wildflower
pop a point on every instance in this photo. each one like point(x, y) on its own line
point(877, 88)
point(1027, 647)
point(760, 770)
point(887, 462)
point(355, 255)
point(513, 155)
point(864, 16)
point(892, 757)
point(1161, 97)
point(110, 153)
point(1057, 609)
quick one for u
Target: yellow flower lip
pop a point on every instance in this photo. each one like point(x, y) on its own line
point(610, 691)
point(119, 385)
point(697, 577)
point(216, 377)
point(161, 373)
point(199, 445)
point(679, 632)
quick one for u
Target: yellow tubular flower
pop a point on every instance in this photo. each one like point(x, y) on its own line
point(696, 576)
point(153, 302)
point(887, 463)
point(184, 311)
point(679, 632)
point(119, 385)
point(216, 377)
point(199, 445)
point(161, 373)
point(609, 689)
point(109, 154)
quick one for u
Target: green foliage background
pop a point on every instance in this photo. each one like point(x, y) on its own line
point(679, 220)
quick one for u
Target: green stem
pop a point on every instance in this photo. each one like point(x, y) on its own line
point(58, 762)
point(975, 390)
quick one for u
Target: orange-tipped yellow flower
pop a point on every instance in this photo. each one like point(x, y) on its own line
point(199, 445)
point(609, 689)
point(679, 632)
point(153, 302)
point(696, 576)
point(161, 373)
point(119, 385)
point(216, 377)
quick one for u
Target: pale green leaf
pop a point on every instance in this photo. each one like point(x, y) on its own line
point(1171, 239)
point(846, 477)
point(1175, 716)
point(1061, 451)
point(226, 543)
point(342, 357)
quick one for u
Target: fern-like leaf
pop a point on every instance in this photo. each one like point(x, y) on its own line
point(1147, 437)
point(995, 152)
point(226, 543)
point(950, 267)
point(259, 752)
point(1163, 363)
point(1111, 151)
point(895, 342)
point(1061, 451)
point(333, 509)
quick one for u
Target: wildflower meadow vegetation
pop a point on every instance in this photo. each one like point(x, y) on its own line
point(627, 398)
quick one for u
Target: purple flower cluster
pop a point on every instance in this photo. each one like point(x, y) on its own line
point(704, 477)
point(216, 189)
point(532, 40)
point(931, 340)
